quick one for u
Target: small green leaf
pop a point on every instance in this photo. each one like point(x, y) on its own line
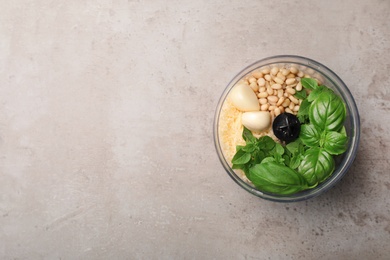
point(309, 83)
point(303, 112)
point(286, 159)
point(241, 157)
point(301, 94)
point(295, 161)
point(293, 146)
point(249, 148)
point(317, 92)
point(279, 149)
point(310, 135)
point(268, 159)
point(343, 131)
point(335, 143)
point(248, 136)
point(266, 143)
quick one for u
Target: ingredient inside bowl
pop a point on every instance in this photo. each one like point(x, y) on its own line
point(287, 165)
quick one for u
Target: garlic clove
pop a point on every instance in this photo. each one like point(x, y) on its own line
point(256, 121)
point(244, 99)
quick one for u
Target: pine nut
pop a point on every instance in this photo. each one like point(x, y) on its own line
point(270, 90)
point(280, 101)
point(272, 108)
point(261, 82)
point(268, 77)
point(293, 99)
point(296, 108)
point(290, 81)
point(257, 74)
point(280, 93)
point(307, 76)
point(262, 95)
point(290, 76)
point(290, 90)
point(267, 84)
point(276, 86)
point(291, 106)
point(263, 101)
point(265, 71)
point(275, 92)
point(310, 71)
point(272, 115)
point(254, 86)
point(286, 102)
point(288, 111)
point(262, 89)
point(294, 70)
point(285, 72)
point(300, 74)
point(279, 80)
point(264, 107)
point(299, 86)
point(277, 111)
point(281, 109)
point(252, 79)
point(274, 70)
point(272, 99)
point(281, 76)
point(285, 94)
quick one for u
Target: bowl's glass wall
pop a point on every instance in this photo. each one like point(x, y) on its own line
point(352, 125)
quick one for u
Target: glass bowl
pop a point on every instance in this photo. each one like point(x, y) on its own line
point(352, 125)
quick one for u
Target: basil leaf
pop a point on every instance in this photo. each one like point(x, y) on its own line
point(276, 178)
point(327, 112)
point(258, 156)
point(310, 135)
point(266, 143)
point(301, 94)
point(249, 148)
point(268, 159)
point(278, 149)
point(335, 143)
point(241, 157)
point(295, 161)
point(303, 112)
point(316, 166)
point(248, 136)
point(309, 83)
point(293, 147)
point(286, 159)
point(343, 131)
point(316, 93)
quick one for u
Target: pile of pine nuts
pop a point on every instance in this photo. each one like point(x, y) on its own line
point(275, 88)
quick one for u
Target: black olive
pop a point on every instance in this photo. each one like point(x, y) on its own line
point(286, 127)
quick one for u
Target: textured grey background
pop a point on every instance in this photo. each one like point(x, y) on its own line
point(106, 148)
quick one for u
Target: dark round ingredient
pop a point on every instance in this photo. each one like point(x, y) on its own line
point(286, 127)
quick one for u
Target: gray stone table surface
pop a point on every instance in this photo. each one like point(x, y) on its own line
point(106, 113)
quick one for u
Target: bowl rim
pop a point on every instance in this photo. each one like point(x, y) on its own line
point(348, 157)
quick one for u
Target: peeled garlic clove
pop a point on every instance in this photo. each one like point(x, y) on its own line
point(256, 121)
point(244, 98)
